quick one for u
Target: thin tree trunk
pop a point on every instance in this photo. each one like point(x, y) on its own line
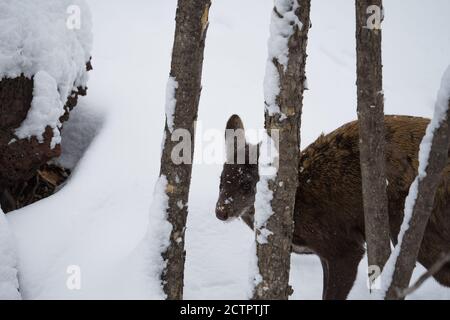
point(423, 191)
point(274, 255)
point(186, 73)
point(372, 131)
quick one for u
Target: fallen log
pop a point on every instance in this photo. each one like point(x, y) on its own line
point(22, 159)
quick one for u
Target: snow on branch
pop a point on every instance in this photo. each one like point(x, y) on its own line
point(158, 234)
point(283, 24)
point(171, 102)
point(268, 169)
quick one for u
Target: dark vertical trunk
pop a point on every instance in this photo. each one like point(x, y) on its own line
point(186, 69)
point(274, 257)
point(423, 207)
point(372, 130)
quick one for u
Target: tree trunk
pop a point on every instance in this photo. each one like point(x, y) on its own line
point(372, 131)
point(186, 72)
point(274, 255)
point(426, 184)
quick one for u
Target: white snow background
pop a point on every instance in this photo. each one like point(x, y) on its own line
point(9, 283)
point(99, 219)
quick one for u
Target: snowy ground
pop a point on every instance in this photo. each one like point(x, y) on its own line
point(98, 220)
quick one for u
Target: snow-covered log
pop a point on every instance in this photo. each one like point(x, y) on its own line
point(45, 52)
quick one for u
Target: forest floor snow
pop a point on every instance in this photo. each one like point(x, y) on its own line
point(98, 220)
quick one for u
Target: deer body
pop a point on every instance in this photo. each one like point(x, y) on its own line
point(329, 214)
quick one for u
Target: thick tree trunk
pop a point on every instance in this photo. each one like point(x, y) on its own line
point(186, 70)
point(372, 131)
point(274, 256)
point(427, 184)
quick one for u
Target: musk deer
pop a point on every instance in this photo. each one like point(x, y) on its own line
point(329, 216)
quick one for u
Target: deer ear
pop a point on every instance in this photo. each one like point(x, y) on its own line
point(235, 123)
point(235, 141)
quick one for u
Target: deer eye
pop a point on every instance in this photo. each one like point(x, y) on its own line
point(246, 186)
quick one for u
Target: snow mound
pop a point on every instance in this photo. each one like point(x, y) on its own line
point(9, 285)
point(50, 40)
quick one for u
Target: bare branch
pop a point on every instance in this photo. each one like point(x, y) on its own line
point(445, 258)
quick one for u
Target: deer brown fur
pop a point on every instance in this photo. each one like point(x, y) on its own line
point(329, 216)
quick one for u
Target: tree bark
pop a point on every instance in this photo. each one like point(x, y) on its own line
point(186, 69)
point(372, 130)
point(423, 207)
point(274, 257)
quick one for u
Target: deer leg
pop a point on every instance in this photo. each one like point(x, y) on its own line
point(325, 277)
point(340, 275)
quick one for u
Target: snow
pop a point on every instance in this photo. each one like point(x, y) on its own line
point(268, 170)
point(171, 101)
point(78, 134)
point(9, 283)
point(37, 40)
point(158, 236)
point(272, 89)
point(440, 115)
point(281, 29)
point(46, 109)
point(99, 220)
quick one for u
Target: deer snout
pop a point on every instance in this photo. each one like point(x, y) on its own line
point(222, 212)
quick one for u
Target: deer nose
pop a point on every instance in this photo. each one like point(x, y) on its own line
point(221, 213)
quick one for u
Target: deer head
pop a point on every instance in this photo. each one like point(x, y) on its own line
point(239, 176)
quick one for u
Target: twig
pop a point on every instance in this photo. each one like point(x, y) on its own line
point(443, 260)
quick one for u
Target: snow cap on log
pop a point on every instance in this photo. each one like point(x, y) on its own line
point(50, 41)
